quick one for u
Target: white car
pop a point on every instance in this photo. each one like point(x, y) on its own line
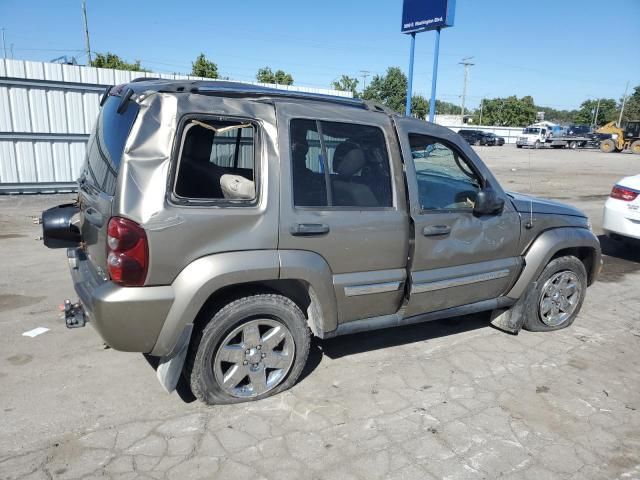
point(622, 209)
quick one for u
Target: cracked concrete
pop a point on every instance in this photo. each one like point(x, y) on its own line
point(451, 399)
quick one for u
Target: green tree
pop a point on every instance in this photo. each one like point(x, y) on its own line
point(558, 116)
point(202, 67)
point(346, 84)
point(447, 108)
point(389, 89)
point(632, 106)
point(280, 77)
point(111, 60)
point(419, 106)
point(509, 112)
point(608, 112)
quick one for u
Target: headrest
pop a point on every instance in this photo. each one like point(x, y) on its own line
point(348, 159)
point(236, 187)
point(198, 143)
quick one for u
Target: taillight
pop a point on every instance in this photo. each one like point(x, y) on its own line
point(127, 252)
point(622, 193)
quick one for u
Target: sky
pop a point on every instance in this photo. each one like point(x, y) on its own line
point(561, 52)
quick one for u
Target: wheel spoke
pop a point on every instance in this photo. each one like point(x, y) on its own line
point(234, 376)
point(258, 380)
point(546, 306)
point(273, 337)
point(570, 289)
point(231, 354)
point(251, 335)
point(565, 305)
point(276, 360)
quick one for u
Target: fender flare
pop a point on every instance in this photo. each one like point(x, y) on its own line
point(314, 271)
point(545, 246)
point(201, 278)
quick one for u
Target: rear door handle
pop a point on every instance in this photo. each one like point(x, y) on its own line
point(435, 230)
point(309, 229)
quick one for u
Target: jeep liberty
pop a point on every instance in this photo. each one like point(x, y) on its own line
point(218, 225)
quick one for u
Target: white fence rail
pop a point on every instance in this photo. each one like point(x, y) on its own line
point(47, 111)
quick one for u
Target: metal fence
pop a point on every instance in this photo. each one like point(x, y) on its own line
point(47, 111)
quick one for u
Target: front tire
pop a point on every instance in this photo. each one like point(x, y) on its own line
point(607, 146)
point(252, 348)
point(557, 297)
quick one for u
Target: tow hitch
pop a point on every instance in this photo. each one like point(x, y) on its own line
point(74, 315)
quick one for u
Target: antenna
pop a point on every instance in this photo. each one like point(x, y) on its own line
point(529, 224)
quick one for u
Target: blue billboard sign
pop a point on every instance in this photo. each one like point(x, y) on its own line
point(423, 15)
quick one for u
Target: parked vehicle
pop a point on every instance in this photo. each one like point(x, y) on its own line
point(476, 137)
point(499, 141)
point(621, 139)
point(621, 218)
point(218, 223)
point(540, 136)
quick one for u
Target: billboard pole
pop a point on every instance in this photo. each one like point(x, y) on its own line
point(434, 77)
point(407, 110)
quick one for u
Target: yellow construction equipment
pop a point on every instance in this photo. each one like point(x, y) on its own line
point(621, 139)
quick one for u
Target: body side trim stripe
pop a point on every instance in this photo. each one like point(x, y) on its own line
point(457, 282)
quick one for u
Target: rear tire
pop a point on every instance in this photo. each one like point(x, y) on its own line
point(635, 147)
point(232, 359)
point(607, 146)
point(557, 297)
point(573, 145)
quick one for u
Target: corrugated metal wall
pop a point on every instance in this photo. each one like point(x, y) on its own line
point(47, 111)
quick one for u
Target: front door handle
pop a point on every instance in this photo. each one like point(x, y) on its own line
point(309, 229)
point(435, 230)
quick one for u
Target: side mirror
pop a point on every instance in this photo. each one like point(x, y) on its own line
point(488, 203)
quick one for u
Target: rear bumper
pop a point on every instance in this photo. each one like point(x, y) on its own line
point(127, 318)
point(620, 219)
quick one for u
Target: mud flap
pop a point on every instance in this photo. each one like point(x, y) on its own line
point(170, 366)
point(510, 320)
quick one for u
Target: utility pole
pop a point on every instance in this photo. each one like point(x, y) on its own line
point(624, 101)
point(4, 45)
point(11, 50)
point(364, 74)
point(595, 116)
point(481, 107)
point(466, 63)
point(86, 32)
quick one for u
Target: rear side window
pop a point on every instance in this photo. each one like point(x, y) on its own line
point(217, 161)
point(339, 165)
point(106, 145)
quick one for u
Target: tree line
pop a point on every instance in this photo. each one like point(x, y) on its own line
point(390, 89)
point(200, 67)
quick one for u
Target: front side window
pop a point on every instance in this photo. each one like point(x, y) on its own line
point(339, 165)
point(446, 181)
point(217, 161)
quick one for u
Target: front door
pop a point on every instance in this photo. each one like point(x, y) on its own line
point(342, 198)
point(459, 258)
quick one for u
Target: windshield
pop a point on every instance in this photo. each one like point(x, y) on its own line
point(531, 130)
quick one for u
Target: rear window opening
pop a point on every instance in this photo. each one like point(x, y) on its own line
point(217, 161)
point(106, 145)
